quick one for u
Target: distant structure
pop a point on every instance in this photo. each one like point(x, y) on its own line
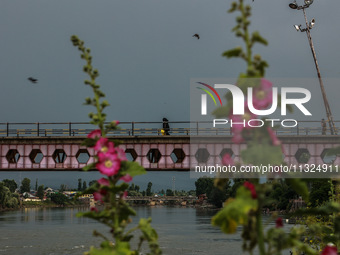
point(197, 36)
point(33, 80)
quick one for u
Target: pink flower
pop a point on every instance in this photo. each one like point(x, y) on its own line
point(330, 250)
point(125, 194)
point(116, 122)
point(273, 137)
point(121, 154)
point(108, 163)
point(95, 134)
point(94, 209)
point(104, 182)
point(237, 138)
point(103, 145)
point(126, 178)
point(227, 160)
point(252, 189)
point(97, 196)
point(263, 95)
point(240, 122)
point(279, 223)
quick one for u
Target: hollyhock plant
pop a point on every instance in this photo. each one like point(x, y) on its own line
point(273, 137)
point(121, 154)
point(239, 123)
point(116, 122)
point(227, 160)
point(125, 194)
point(252, 189)
point(115, 212)
point(104, 182)
point(95, 134)
point(126, 178)
point(242, 120)
point(237, 137)
point(263, 95)
point(108, 164)
point(330, 250)
point(94, 209)
point(97, 196)
point(104, 145)
point(279, 223)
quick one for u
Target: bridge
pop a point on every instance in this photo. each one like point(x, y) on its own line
point(57, 146)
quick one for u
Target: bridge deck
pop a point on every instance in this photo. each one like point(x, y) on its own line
point(155, 153)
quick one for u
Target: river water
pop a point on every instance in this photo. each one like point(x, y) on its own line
point(55, 231)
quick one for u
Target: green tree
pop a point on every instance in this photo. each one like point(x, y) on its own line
point(148, 189)
point(218, 196)
point(59, 198)
point(192, 192)
point(204, 185)
point(4, 195)
point(320, 191)
point(169, 192)
point(40, 192)
point(79, 184)
point(36, 184)
point(7, 199)
point(84, 186)
point(92, 182)
point(280, 195)
point(11, 184)
point(62, 188)
point(236, 184)
point(25, 185)
point(132, 187)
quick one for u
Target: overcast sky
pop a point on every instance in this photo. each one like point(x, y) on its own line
point(146, 54)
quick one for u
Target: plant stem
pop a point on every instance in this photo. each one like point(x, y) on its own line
point(259, 229)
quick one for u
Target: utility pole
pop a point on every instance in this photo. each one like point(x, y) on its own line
point(309, 26)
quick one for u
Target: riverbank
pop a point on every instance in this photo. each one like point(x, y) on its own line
point(45, 204)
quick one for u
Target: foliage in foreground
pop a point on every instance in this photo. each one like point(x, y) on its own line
point(117, 171)
point(263, 147)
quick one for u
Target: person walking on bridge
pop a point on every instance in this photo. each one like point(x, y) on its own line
point(166, 126)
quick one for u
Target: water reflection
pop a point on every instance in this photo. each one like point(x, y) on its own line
point(181, 230)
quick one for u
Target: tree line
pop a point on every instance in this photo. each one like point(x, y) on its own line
point(279, 199)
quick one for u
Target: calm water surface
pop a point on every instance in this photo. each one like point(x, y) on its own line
point(52, 231)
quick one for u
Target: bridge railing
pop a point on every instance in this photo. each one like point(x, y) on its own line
point(81, 129)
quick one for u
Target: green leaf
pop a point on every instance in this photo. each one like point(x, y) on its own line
point(256, 37)
point(333, 151)
point(150, 235)
point(300, 187)
point(89, 167)
point(132, 168)
point(221, 112)
point(262, 154)
point(236, 52)
point(233, 7)
point(324, 210)
point(120, 248)
point(88, 142)
point(235, 211)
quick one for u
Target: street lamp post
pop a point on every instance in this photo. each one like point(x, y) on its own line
point(309, 26)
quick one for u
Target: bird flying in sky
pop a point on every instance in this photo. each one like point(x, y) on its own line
point(31, 79)
point(197, 36)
